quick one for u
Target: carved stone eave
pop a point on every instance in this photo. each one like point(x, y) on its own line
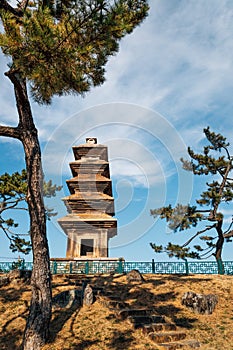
point(89, 224)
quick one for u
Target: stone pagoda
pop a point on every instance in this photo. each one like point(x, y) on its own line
point(89, 223)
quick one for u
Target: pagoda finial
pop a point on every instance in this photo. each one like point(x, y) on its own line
point(91, 140)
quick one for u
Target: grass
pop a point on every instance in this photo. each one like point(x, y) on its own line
point(96, 328)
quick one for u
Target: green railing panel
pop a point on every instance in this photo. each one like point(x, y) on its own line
point(170, 267)
point(228, 267)
point(106, 267)
point(143, 267)
point(6, 266)
point(205, 267)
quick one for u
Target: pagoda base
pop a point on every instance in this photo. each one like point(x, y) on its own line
point(92, 244)
point(82, 259)
point(87, 266)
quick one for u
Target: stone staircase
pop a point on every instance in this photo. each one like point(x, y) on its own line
point(164, 334)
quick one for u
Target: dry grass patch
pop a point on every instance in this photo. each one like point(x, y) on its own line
point(97, 328)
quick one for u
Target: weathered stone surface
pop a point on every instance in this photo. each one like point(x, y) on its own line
point(91, 204)
point(88, 297)
point(167, 336)
point(4, 280)
point(123, 314)
point(157, 327)
point(66, 299)
point(200, 303)
point(140, 321)
point(134, 276)
point(186, 344)
point(112, 303)
point(16, 276)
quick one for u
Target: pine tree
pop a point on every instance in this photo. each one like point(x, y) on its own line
point(57, 48)
point(13, 196)
point(215, 163)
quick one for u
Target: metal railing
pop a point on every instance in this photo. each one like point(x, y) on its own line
point(121, 266)
point(20, 264)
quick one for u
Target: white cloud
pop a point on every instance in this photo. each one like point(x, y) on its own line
point(179, 61)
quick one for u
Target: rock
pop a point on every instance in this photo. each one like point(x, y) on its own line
point(88, 296)
point(14, 274)
point(18, 274)
point(66, 299)
point(4, 281)
point(200, 303)
point(134, 276)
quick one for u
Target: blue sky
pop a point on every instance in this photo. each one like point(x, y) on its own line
point(171, 78)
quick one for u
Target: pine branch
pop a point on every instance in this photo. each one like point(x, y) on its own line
point(228, 235)
point(89, 16)
point(197, 234)
point(230, 226)
point(23, 5)
point(13, 207)
point(204, 254)
point(5, 205)
point(9, 131)
point(7, 7)
point(216, 204)
point(7, 232)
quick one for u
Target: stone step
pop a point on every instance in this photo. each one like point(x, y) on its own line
point(118, 305)
point(140, 321)
point(111, 298)
point(165, 337)
point(192, 344)
point(142, 312)
point(157, 327)
point(113, 304)
point(108, 293)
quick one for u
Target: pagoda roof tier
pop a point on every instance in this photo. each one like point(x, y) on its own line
point(91, 215)
point(90, 150)
point(87, 166)
point(86, 205)
point(87, 223)
point(88, 177)
point(88, 196)
point(89, 200)
point(90, 184)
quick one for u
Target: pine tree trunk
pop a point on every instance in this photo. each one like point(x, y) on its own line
point(219, 247)
point(37, 327)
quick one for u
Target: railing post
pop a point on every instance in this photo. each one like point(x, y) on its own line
point(120, 266)
point(186, 266)
point(54, 267)
point(221, 270)
point(87, 268)
point(153, 266)
point(71, 267)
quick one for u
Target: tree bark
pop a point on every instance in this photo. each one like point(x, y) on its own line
point(37, 327)
point(219, 247)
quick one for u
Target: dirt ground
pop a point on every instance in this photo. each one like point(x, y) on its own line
point(96, 327)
